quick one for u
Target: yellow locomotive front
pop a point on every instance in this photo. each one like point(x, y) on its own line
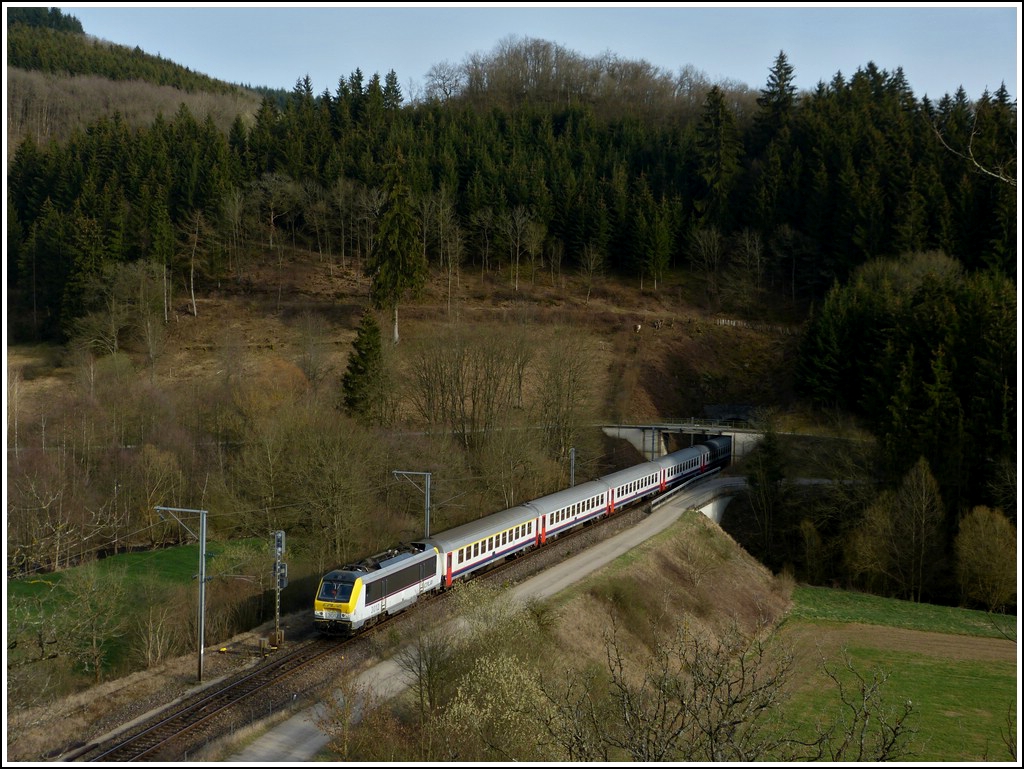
point(336, 608)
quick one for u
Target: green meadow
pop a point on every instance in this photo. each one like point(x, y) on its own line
point(964, 709)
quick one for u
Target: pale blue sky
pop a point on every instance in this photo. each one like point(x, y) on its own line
point(939, 46)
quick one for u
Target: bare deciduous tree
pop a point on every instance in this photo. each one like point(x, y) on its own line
point(312, 342)
point(565, 392)
point(157, 631)
point(708, 253)
point(444, 81)
point(429, 662)
point(745, 273)
point(866, 728)
point(195, 242)
point(515, 225)
point(1000, 172)
point(483, 222)
point(533, 241)
point(465, 381)
point(95, 617)
point(696, 698)
point(592, 266)
point(897, 543)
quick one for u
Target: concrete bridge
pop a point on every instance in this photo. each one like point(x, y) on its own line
point(652, 440)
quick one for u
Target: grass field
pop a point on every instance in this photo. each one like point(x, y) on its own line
point(958, 668)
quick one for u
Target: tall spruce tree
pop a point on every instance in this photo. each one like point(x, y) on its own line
point(396, 267)
point(362, 384)
point(776, 102)
point(718, 160)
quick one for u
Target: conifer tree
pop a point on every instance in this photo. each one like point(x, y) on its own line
point(362, 384)
point(718, 159)
point(397, 266)
point(776, 102)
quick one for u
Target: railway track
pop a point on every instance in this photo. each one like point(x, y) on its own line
point(180, 730)
point(175, 731)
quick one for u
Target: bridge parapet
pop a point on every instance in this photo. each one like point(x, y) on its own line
point(650, 440)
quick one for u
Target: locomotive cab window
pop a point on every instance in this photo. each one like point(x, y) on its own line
point(339, 591)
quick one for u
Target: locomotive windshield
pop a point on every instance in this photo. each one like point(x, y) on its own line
point(339, 590)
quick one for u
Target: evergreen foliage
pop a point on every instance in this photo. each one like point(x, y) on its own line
point(47, 18)
point(61, 48)
point(362, 385)
point(396, 266)
point(927, 356)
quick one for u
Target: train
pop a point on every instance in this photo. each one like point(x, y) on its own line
point(358, 595)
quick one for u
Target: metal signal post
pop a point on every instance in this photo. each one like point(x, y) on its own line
point(426, 511)
point(280, 582)
point(201, 634)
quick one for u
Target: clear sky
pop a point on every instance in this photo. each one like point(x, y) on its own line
point(939, 46)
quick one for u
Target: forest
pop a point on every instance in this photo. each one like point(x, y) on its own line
point(883, 225)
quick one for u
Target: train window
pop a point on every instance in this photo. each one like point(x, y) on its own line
point(476, 549)
point(504, 537)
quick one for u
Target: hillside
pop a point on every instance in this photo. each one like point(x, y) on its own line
point(672, 371)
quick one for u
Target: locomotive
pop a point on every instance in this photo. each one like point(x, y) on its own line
point(358, 595)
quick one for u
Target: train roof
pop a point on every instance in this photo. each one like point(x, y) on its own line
point(565, 497)
point(381, 563)
point(631, 473)
point(467, 533)
point(681, 455)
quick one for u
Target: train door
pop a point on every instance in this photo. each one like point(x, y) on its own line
point(448, 570)
point(543, 531)
point(663, 479)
